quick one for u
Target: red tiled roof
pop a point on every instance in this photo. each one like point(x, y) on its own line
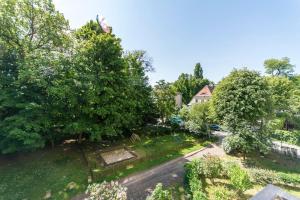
point(205, 91)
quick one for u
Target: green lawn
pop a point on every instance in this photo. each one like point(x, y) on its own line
point(61, 172)
point(64, 173)
point(272, 161)
point(152, 151)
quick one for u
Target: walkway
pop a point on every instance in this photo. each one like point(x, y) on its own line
point(141, 184)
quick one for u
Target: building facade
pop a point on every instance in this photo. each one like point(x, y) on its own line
point(203, 95)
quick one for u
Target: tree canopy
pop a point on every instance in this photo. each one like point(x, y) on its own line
point(242, 102)
point(188, 85)
point(57, 83)
point(279, 67)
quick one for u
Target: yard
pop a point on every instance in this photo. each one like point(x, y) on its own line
point(63, 172)
point(278, 164)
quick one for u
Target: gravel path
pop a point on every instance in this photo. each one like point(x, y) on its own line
point(141, 184)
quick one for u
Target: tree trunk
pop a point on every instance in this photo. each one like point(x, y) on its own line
point(80, 138)
point(52, 143)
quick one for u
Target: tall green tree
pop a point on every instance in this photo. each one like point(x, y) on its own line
point(188, 85)
point(198, 71)
point(242, 102)
point(141, 103)
point(198, 118)
point(33, 36)
point(279, 67)
point(164, 97)
point(100, 107)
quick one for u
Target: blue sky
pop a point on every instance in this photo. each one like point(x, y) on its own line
point(221, 35)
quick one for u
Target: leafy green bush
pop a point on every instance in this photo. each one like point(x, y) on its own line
point(210, 166)
point(206, 144)
point(263, 176)
point(230, 144)
point(199, 195)
point(226, 166)
point(239, 179)
point(193, 180)
point(159, 194)
point(289, 178)
point(286, 136)
point(222, 193)
point(105, 190)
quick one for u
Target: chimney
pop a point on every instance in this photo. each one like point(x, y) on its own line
point(178, 100)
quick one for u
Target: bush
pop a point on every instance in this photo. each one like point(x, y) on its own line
point(226, 166)
point(206, 144)
point(289, 178)
point(286, 136)
point(193, 180)
point(230, 144)
point(159, 194)
point(105, 190)
point(209, 167)
point(199, 195)
point(263, 176)
point(239, 179)
point(222, 193)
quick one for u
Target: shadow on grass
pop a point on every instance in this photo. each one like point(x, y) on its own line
point(274, 162)
point(151, 151)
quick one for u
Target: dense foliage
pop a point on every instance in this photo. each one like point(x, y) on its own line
point(57, 83)
point(197, 118)
point(106, 190)
point(159, 193)
point(279, 67)
point(188, 85)
point(213, 167)
point(242, 102)
point(164, 96)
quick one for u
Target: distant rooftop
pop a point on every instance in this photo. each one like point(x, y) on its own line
point(205, 91)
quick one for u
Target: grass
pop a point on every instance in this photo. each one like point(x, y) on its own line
point(63, 173)
point(60, 172)
point(277, 163)
point(272, 161)
point(151, 151)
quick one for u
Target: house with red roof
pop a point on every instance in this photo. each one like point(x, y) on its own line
point(203, 95)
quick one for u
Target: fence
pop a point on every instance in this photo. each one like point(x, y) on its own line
point(286, 149)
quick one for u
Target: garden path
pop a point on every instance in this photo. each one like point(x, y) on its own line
point(141, 184)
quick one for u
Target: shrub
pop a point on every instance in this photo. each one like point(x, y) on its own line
point(230, 144)
point(222, 193)
point(239, 179)
point(199, 195)
point(105, 190)
point(286, 136)
point(263, 176)
point(210, 166)
point(159, 194)
point(226, 166)
point(193, 180)
point(289, 178)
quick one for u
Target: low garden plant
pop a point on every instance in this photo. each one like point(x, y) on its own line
point(106, 190)
point(220, 192)
point(239, 179)
point(214, 168)
point(159, 193)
